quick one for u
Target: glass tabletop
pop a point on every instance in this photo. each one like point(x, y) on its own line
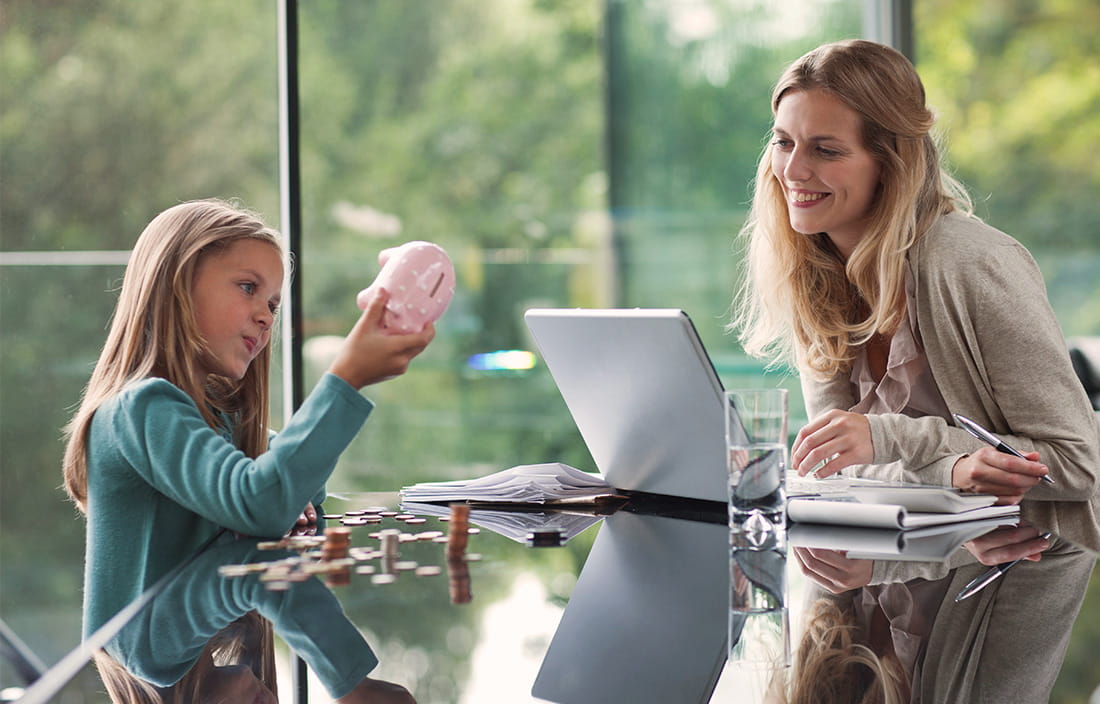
point(646, 602)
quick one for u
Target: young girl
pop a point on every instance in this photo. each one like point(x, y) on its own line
point(170, 443)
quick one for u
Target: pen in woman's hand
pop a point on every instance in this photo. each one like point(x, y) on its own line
point(988, 437)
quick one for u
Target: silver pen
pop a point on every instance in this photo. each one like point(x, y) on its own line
point(985, 579)
point(988, 437)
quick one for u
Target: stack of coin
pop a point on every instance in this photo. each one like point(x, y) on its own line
point(458, 579)
point(458, 531)
point(391, 540)
point(337, 541)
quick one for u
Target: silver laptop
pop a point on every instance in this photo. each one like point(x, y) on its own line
point(643, 394)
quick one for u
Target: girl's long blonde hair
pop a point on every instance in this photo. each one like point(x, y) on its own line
point(154, 331)
point(799, 300)
point(250, 640)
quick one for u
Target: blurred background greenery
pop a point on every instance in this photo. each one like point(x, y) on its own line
point(592, 153)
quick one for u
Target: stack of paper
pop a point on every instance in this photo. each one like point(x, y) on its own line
point(553, 482)
point(873, 503)
point(515, 523)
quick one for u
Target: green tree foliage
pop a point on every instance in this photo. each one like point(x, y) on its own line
point(1017, 88)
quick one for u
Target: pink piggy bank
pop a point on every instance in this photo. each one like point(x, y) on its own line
point(420, 279)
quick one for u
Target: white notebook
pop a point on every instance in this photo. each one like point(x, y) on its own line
point(848, 511)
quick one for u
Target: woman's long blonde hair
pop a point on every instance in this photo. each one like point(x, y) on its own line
point(833, 663)
point(154, 331)
point(799, 300)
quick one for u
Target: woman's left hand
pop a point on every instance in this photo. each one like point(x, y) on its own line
point(837, 438)
point(833, 569)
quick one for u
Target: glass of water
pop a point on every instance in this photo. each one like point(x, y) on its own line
point(756, 452)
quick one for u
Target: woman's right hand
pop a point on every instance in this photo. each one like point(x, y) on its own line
point(989, 471)
point(1022, 542)
point(370, 355)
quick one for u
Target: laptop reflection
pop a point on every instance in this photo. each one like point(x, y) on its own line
point(647, 620)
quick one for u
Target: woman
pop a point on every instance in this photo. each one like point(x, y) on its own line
point(866, 269)
point(899, 307)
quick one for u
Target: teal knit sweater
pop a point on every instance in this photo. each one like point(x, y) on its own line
point(161, 482)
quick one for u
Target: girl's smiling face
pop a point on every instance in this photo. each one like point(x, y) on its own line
point(828, 177)
point(235, 293)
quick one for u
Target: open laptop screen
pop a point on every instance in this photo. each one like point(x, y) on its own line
point(643, 394)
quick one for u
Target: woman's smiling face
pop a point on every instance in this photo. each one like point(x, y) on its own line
point(828, 177)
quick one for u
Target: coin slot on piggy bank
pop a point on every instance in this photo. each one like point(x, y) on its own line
point(420, 279)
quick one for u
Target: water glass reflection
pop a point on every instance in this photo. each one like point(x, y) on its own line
point(759, 629)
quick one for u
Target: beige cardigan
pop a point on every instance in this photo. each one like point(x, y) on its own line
point(1007, 643)
point(998, 356)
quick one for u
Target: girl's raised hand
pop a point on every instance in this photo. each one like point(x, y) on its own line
point(370, 355)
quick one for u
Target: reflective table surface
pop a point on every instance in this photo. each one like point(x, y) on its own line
point(637, 604)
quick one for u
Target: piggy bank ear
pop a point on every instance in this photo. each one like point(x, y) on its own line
point(385, 254)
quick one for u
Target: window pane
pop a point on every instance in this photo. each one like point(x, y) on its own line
point(568, 154)
point(1017, 88)
point(478, 126)
point(690, 88)
point(112, 111)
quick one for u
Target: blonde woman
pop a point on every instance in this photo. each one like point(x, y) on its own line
point(170, 443)
point(866, 269)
